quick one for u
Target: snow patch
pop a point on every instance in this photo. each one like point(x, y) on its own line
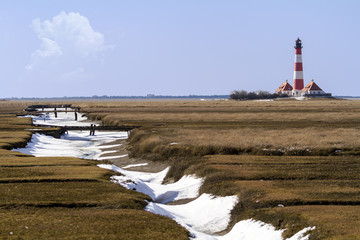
point(151, 184)
point(207, 213)
point(74, 144)
point(264, 100)
point(110, 146)
point(112, 157)
point(135, 165)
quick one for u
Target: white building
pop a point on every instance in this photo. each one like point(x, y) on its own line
point(284, 88)
point(312, 89)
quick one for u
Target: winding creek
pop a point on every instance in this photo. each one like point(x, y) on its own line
point(203, 216)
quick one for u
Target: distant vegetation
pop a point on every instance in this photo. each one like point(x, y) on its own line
point(148, 96)
point(244, 95)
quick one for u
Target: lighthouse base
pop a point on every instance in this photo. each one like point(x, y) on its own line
point(296, 93)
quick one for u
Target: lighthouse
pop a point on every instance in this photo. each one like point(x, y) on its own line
point(298, 70)
point(310, 90)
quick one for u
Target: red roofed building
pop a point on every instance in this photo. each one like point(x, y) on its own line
point(284, 88)
point(312, 89)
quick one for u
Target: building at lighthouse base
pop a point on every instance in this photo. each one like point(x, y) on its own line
point(284, 88)
point(310, 90)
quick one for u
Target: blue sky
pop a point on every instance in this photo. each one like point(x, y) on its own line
point(166, 47)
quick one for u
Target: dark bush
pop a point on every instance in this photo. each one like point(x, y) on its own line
point(244, 95)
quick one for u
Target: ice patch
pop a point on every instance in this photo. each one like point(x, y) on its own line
point(74, 144)
point(264, 100)
point(150, 184)
point(112, 157)
point(107, 152)
point(301, 235)
point(207, 213)
point(143, 176)
point(110, 146)
point(135, 165)
point(250, 229)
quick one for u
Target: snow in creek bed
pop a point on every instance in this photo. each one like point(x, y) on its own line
point(74, 144)
point(203, 216)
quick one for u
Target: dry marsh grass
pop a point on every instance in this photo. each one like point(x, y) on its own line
point(24, 160)
point(332, 223)
point(66, 198)
point(87, 223)
point(38, 173)
point(315, 174)
point(269, 119)
point(266, 139)
point(70, 194)
point(345, 168)
point(297, 191)
point(263, 183)
point(221, 110)
point(316, 190)
point(319, 125)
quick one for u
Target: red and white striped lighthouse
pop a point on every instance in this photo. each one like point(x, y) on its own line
point(298, 71)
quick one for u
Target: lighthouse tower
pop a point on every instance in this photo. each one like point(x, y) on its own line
point(298, 71)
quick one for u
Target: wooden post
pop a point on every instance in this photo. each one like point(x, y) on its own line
point(75, 116)
point(91, 129)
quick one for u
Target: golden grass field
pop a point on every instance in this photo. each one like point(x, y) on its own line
point(303, 155)
point(275, 125)
point(66, 198)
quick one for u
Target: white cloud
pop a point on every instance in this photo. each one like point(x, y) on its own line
point(66, 35)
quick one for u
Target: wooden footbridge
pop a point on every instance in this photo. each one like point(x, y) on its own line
point(35, 108)
point(69, 108)
point(64, 129)
point(52, 108)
